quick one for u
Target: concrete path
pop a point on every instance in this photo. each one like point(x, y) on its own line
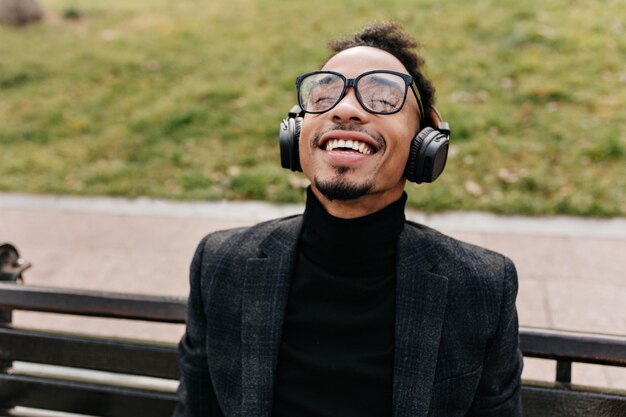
point(572, 271)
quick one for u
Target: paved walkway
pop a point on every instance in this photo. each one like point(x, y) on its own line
point(572, 271)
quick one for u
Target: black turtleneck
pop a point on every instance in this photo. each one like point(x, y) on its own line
point(336, 353)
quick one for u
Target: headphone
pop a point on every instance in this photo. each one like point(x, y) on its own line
point(427, 156)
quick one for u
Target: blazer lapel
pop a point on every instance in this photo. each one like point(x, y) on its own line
point(265, 295)
point(420, 306)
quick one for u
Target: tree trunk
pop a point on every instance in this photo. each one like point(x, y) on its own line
point(20, 12)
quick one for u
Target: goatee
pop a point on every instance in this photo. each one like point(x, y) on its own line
point(342, 190)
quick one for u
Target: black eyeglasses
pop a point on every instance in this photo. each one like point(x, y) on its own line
point(379, 91)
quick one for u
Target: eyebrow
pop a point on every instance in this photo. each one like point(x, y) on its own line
point(327, 79)
point(384, 81)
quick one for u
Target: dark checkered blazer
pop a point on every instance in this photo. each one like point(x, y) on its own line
point(456, 344)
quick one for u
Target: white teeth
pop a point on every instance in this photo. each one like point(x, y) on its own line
point(361, 147)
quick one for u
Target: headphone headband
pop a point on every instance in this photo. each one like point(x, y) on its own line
point(442, 126)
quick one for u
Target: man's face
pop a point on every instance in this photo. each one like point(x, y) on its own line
point(373, 175)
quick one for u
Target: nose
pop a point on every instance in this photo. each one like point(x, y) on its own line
point(349, 110)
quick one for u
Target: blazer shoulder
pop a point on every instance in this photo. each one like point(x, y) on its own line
point(458, 258)
point(244, 241)
point(453, 249)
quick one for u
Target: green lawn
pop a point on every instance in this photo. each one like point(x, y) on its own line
point(182, 99)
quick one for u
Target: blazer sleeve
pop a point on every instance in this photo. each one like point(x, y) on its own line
point(499, 389)
point(196, 396)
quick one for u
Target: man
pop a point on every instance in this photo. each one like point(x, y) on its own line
point(350, 310)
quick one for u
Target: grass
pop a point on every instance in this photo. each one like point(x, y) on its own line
point(182, 99)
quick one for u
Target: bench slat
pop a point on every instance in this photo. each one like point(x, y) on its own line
point(550, 400)
point(135, 358)
point(91, 399)
point(92, 303)
point(575, 346)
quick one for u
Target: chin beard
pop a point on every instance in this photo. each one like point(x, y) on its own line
point(342, 190)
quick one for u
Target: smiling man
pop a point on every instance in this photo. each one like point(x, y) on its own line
point(350, 310)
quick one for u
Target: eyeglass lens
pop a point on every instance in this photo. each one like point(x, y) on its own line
point(377, 92)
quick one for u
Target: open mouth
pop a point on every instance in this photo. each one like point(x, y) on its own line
point(348, 146)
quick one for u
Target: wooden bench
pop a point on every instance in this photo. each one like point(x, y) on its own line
point(90, 393)
point(52, 383)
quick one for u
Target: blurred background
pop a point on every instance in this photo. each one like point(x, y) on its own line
point(182, 99)
point(159, 102)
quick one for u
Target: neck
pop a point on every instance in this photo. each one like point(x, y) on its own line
point(359, 207)
point(352, 247)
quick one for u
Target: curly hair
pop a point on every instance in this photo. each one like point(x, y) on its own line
point(390, 37)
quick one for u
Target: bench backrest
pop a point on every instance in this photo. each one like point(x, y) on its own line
point(53, 388)
point(134, 397)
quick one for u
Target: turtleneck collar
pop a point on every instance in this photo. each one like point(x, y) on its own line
point(363, 246)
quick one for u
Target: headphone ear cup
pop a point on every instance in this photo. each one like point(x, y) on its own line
point(295, 152)
point(427, 156)
point(411, 170)
point(289, 143)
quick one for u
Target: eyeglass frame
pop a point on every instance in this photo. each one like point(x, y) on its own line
point(352, 82)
